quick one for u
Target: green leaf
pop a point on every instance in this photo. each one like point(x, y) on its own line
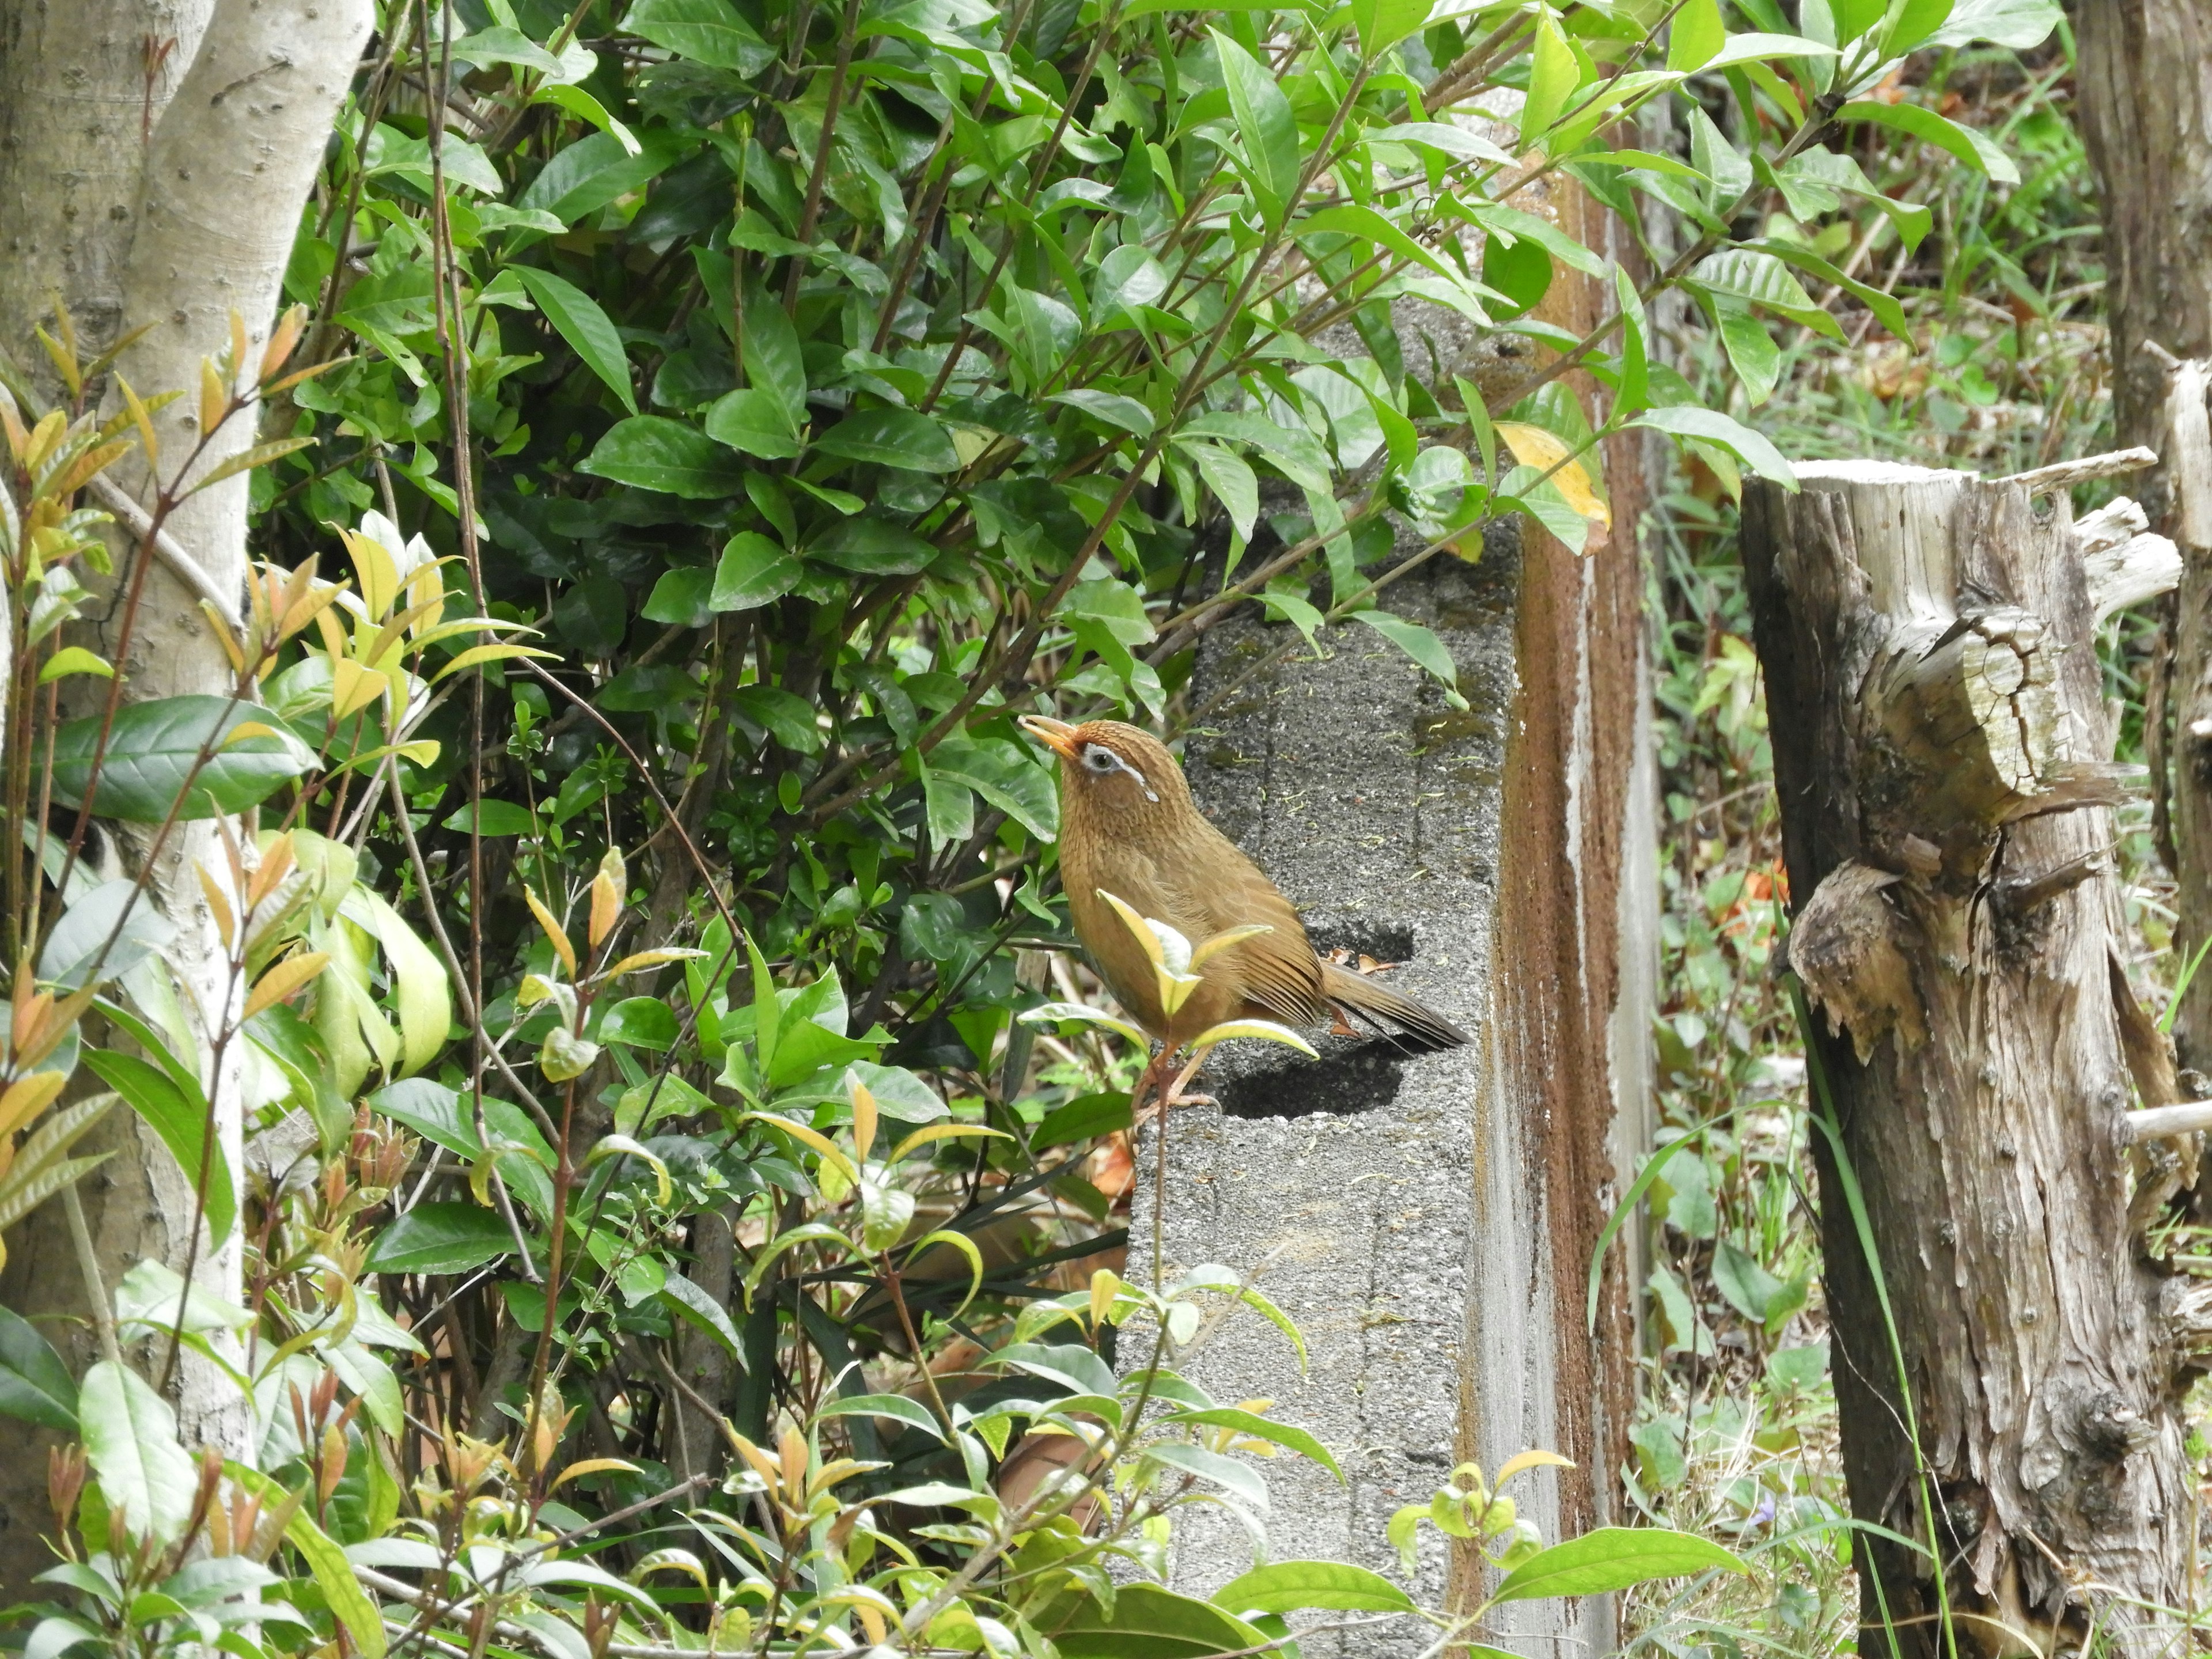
point(1367, 225)
point(153, 748)
point(1963, 144)
point(1086, 1118)
point(595, 171)
point(1415, 641)
point(1760, 279)
point(1695, 36)
point(1688, 420)
point(1148, 1622)
point(1383, 23)
point(334, 1574)
point(501, 44)
point(73, 659)
point(1294, 1586)
point(1611, 1558)
point(130, 1437)
point(897, 1407)
point(494, 818)
point(439, 1239)
point(1111, 407)
point(870, 546)
point(788, 719)
point(641, 1022)
point(693, 1305)
point(708, 32)
point(586, 328)
point(2022, 25)
point(1553, 75)
point(1261, 1428)
point(35, 1385)
point(654, 452)
point(753, 572)
point(178, 1113)
point(754, 423)
point(891, 437)
point(1916, 20)
point(1006, 777)
point(1264, 122)
point(419, 985)
point(775, 360)
point(682, 597)
point(1745, 1285)
point(1234, 484)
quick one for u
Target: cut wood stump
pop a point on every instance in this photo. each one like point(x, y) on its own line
point(1943, 757)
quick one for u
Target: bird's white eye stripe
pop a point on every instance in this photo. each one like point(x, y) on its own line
point(1101, 759)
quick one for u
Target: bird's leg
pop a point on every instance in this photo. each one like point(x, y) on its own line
point(1175, 1095)
point(1155, 1074)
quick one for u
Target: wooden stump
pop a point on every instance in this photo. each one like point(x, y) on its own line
point(1942, 754)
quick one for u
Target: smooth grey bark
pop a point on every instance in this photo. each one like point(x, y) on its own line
point(1942, 761)
point(165, 193)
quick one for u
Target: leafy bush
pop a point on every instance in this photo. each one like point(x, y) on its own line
point(658, 1222)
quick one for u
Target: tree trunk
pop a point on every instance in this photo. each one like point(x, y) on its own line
point(2145, 97)
point(1943, 758)
point(153, 162)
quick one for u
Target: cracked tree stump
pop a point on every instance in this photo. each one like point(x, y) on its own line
point(1942, 755)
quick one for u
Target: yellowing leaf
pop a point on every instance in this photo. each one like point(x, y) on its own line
point(1537, 1459)
point(380, 575)
point(353, 688)
point(282, 981)
point(553, 932)
point(26, 1098)
point(630, 965)
point(1532, 446)
point(476, 653)
point(863, 1120)
point(593, 1466)
point(73, 659)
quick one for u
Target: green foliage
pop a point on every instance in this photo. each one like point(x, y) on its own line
point(682, 1196)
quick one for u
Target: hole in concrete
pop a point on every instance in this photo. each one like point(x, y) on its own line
point(1384, 943)
point(1349, 1078)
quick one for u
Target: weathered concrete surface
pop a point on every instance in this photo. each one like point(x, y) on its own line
point(1427, 1219)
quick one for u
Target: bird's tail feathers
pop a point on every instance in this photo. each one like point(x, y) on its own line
point(1361, 993)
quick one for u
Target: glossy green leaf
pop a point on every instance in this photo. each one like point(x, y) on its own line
point(1962, 143)
point(654, 452)
point(129, 1436)
point(177, 1111)
point(1148, 1622)
point(1293, 1586)
point(439, 1239)
point(158, 749)
point(1264, 122)
point(753, 422)
point(753, 571)
point(1612, 1559)
point(35, 1385)
point(1752, 449)
point(586, 328)
point(891, 437)
point(710, 31)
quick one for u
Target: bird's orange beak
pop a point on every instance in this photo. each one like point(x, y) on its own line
point(1055, 735)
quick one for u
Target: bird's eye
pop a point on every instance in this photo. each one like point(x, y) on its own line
point(1098, 759)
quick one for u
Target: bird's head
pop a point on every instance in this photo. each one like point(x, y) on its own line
point(1113, 770)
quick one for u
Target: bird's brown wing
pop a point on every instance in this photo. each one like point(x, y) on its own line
point(1277, 970)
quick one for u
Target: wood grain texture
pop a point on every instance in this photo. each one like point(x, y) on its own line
point(1940, 741)
point(2144, 97)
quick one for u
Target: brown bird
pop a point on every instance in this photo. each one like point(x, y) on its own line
point(1128, 827)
